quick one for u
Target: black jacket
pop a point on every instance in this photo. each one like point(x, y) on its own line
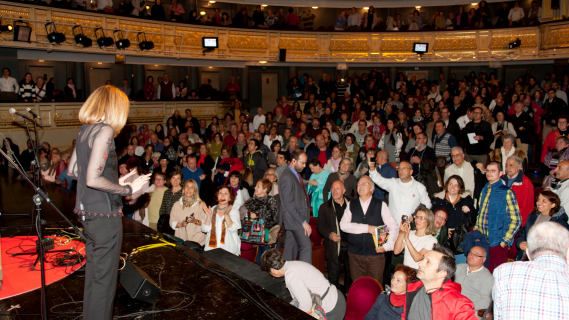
point(528, 135)
point(482, 128)
point(328, 214)
point(456, 215)
point(559, 217)
point(554, 109)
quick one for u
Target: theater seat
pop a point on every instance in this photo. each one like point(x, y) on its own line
point(318, 250)
point(361, 297)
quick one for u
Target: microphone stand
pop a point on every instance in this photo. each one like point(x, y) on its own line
point(38, 198)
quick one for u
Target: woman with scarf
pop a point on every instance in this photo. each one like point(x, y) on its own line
point(316, 184)
point(351, 149)
point(390, 303)
point(334, 161)
point(171, 195)
point(391, 141)
point(508, 149)
point(552, 159)
point(222, 222)
point(265, 207)
point(188, 214)
point(69, 90)
point(376, 128)
point(221, 172)
point(500, 128)
point(239, 147)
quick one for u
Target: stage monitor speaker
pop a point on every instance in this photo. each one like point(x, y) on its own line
point(249, 271)
point(138, 284)
point(282, 55)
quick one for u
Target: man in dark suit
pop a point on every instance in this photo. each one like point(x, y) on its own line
point(451, 126)
point(335, 240)
point(295, 210)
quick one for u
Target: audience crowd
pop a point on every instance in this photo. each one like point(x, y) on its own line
point(477, 17)
point(426, 183)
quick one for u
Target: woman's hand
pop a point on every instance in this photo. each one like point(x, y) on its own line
point(405, 229)
point(137, 184)
point(524, 246)
point(252, 215)
point(465, 209)
point(450, 232)
point(182, 224)
point(206, 209)
point(123, 178)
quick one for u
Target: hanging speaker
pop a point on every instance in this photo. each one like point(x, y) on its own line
point(138, 284)
point(282, 55)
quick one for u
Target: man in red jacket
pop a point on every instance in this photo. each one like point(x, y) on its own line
point(434, 296)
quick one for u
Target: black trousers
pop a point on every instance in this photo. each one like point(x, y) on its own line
point(334, 270)
point(103, 247)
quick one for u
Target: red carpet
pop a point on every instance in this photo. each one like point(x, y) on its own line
point(18, 277)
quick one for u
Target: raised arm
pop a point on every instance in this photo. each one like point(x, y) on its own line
point(100, 148)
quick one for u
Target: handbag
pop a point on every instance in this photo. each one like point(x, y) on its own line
point(459, 235)
point(317, 312)
point(253, 231)
point(163, 224)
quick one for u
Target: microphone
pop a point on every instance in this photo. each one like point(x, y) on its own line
point(13, 111)
point(33, 113)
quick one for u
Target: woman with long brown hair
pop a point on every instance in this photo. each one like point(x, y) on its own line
point(94, 164)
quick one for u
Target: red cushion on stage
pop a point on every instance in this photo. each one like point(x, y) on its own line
point(17, 279)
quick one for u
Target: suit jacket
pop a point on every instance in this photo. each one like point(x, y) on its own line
point(294, 203)
point(329, 216)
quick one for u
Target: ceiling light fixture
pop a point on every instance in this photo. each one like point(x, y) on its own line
point(41, 60)
point(314, 7)
point(202, 13)
point(366, 8)
point(263, 5)
point(474, 4)
point(417, 7)
point(262, 61)
point(212, 1)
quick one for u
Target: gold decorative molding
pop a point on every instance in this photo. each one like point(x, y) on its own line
point(558, 37)
point(455, 43)
point(398, 43)
point(299, 44)
point(501, 40)
point(240, 41)
point(342, 43)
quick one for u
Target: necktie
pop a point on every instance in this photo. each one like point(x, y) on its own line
point(303, 189)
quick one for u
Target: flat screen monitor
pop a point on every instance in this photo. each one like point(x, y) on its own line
point(420, 48)
point(210, 42)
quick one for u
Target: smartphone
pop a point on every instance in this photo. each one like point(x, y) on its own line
point(372, 159)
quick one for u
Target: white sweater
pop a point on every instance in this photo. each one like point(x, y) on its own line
point(404, 198)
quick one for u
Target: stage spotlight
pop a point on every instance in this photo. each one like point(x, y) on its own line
point(81, 38)
point(120, 41)
point(144, 44)
point(5, 28)
point(102, 40)
point(54, 37)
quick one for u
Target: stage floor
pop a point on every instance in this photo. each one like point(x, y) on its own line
point(214, 298)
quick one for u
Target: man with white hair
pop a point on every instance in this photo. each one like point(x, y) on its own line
point(538, 289)
point(521, 185)
point(561, 173)
point(461, 168)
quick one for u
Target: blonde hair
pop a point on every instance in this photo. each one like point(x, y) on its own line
point(432, 227)
point(108, 105)
point(247, 176)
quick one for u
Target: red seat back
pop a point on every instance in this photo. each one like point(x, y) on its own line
point(361, 297)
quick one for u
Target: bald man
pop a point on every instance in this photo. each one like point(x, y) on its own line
point(335, 241)
point(386, 170)
point(562, 188)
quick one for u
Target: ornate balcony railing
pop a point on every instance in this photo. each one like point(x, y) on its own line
point(183, 41)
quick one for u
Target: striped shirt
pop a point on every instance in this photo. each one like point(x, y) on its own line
point(537, 289)
point(27, 91)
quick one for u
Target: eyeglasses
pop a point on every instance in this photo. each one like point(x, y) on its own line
point(159, 179)
point(420, 218)
point(269, 174)
point(475, 255)
point(364, 184)
point(441, 216)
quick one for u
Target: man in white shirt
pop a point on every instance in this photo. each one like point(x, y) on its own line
point(434, 94)
point(258, 119)
point(461, 168)
point(562, 188)
point(8, 86)
point(361, 218)
point(102, 4)
point(558, 92)
point(516, 15)
point(405, 193)
point(465, 119)
point(354, 20)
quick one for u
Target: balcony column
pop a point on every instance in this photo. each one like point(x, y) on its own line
point(193, 82)
point(244, 83)
point(392, 74)
point(291, 71)
point(79, 77)
point(501, 73)
point(139, 78)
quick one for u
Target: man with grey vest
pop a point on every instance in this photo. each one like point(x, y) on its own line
point(361, 217)
point(443, 141)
